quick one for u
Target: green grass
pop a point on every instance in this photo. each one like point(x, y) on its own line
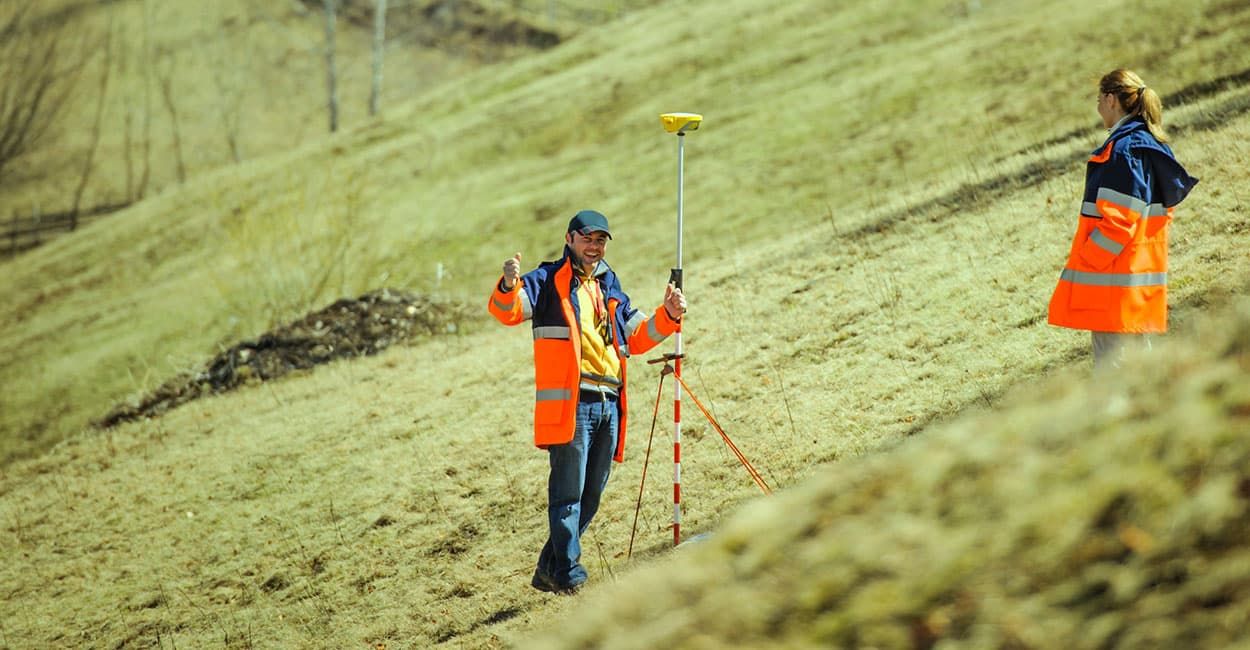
point(803, 141)
point(1086, 513)
point(877, 209)
point(252, 68)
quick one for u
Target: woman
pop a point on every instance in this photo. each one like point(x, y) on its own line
point(1115, 281)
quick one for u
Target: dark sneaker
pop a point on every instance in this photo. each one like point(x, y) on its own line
point(543, 582)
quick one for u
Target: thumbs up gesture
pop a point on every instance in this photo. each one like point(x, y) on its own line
point(511, 271)
point(674, 301)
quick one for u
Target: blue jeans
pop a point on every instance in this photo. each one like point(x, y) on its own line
point(579, 472)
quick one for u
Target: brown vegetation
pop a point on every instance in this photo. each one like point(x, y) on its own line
point(350, 327)
point(485, 31)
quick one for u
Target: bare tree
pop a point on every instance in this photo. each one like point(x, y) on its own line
point(147, 100)
point(128, 98)
point(231, 57)
point(37, 75)
point(96, 126)
point(134, 65)
point(229, 70)
point(379, 43)
point(165, 65)
point(331, 74)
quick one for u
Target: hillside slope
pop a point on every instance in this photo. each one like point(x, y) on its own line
point(164, 92)
point(834, 119)
point(877, 209)
point(1104, 512)
point(181, 89)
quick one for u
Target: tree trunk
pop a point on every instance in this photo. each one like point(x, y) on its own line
point(331, 75)
point(89, 160)
point(37, 79)
point(147, 101)
point(165, 73)
point(379, 43)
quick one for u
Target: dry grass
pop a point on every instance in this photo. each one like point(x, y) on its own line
point(1087, 513)
point(254, 70)
point(877, 210)
point(248, 80)
point(834, 135)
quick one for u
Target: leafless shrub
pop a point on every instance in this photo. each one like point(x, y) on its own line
point(96, 125)
point(38, 70)
point(165, 66)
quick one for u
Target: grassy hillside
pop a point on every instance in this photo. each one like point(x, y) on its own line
point(877, 209)
point(835, 120)
point(243, 78)
point(1085, 513)
point(183, 88)
point(254, 70)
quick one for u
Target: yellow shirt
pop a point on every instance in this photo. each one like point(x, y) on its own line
point(598, 360)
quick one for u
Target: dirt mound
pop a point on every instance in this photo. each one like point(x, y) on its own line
point(351, 327)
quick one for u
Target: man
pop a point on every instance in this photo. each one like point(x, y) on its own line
point(584, 331)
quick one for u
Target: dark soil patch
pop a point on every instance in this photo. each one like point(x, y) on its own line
point(351, 327)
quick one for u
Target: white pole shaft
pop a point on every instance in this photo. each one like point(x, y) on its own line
point(681, 163)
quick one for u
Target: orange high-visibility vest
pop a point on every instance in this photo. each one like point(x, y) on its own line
point(546, 296)
point(1115, 279)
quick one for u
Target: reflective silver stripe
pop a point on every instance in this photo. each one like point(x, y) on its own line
point(502, 306)
point(632, 324)
point(1106, 243)
point(551, 332)
point(653, 333)
point(1132, 203)
point(1156, 210)
point(1114, 279)
point(602, 379)
point(527, 310)
point(1090, 210)
point(553, 395)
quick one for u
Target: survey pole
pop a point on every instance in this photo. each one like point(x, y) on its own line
point(679, 124)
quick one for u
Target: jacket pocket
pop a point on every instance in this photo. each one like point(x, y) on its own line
point(1087, 297)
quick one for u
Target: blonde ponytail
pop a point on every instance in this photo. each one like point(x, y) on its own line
point(1136, 99)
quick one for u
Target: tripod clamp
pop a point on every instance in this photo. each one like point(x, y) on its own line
point(665, 359)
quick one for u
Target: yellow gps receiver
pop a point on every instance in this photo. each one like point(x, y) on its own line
point(679, 123)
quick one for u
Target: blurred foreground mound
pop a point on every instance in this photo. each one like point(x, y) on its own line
point(1091, 512)
point(350, 327)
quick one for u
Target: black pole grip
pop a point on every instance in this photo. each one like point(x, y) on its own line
point(674, 277)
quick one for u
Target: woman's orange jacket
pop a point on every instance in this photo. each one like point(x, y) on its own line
point(547, 296)
point(1115, 279)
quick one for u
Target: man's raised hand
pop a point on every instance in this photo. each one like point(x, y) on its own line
point(511, 271)
point(674, 301)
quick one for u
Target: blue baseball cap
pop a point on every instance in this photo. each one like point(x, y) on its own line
point(588, 221)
